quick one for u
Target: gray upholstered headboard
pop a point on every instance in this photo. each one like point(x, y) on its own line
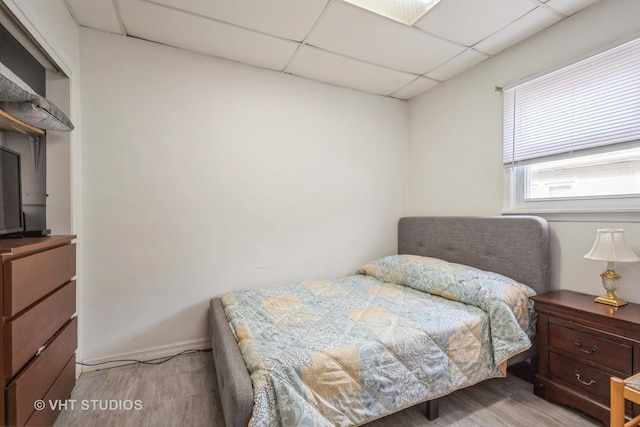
point(514, 246)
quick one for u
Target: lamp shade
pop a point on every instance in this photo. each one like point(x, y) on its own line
point(611, 246)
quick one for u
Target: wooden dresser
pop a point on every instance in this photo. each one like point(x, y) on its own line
point(581, 345)
point(39, 332)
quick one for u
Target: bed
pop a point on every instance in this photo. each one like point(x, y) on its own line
point(505, 249)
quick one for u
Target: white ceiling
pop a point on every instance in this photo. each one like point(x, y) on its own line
point(333, 41)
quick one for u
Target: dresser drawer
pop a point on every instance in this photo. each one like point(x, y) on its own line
point(25, 334)
point(35, 381)
point(59, 391)
point(613, 355)
point(28, 279)
point(580, 376)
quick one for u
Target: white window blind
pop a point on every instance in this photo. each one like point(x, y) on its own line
point(590, 104)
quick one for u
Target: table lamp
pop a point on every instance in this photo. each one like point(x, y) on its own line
point(610, 246)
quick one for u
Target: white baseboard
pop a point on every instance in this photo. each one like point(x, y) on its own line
point(146, 355)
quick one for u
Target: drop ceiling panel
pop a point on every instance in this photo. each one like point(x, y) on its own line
point(351, 31)
point(569, 7)
point(331, 40)
point(469, 21)
point(160, 24)
point(338, 70)
point(414, 88)
point(98, 14)
point(290, 19)
point(530, 24)
point(464, 61)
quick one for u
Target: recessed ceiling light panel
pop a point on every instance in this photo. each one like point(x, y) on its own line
point(405, 11)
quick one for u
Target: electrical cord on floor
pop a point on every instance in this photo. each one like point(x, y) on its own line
point(157, 361)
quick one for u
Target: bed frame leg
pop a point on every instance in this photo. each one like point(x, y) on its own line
point(433, 409)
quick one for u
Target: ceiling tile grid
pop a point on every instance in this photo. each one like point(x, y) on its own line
point(288, 19)
point(469, 21)
point(198, 34)
point(379, 40)
point(98, 14)
point(318, 64)
point(333, 41)
point(414, 88)
point(520, 29)
point(467, 59)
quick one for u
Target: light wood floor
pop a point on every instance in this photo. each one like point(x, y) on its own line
point(183, 392)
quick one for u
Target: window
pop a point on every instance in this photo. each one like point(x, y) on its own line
point(572, 137)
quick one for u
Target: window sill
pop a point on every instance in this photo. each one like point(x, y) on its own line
point(624, 216)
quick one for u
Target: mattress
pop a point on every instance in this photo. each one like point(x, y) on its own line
point(406, 329)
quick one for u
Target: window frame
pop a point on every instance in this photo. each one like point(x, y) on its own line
point(514, 181)
point(515, 201)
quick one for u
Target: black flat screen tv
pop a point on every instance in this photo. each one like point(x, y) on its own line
point(11, 219)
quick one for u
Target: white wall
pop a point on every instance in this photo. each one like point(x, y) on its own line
point(455, 137)
point(203, 175)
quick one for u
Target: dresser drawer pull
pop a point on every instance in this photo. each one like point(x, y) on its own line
point(591, 382)
point(578, 344)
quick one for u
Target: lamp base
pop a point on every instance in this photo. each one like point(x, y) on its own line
point(610, 284)
point(611, 299)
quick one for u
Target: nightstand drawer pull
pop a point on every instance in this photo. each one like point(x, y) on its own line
point(578, 344)
point(591, 382)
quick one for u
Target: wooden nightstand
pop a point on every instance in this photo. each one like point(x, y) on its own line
point(581, 345)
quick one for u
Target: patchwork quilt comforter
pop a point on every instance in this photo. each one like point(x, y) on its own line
point(406, 329)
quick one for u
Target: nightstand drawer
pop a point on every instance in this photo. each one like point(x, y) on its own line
point(596, 341)
point(613, 355)
point(580, 376)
